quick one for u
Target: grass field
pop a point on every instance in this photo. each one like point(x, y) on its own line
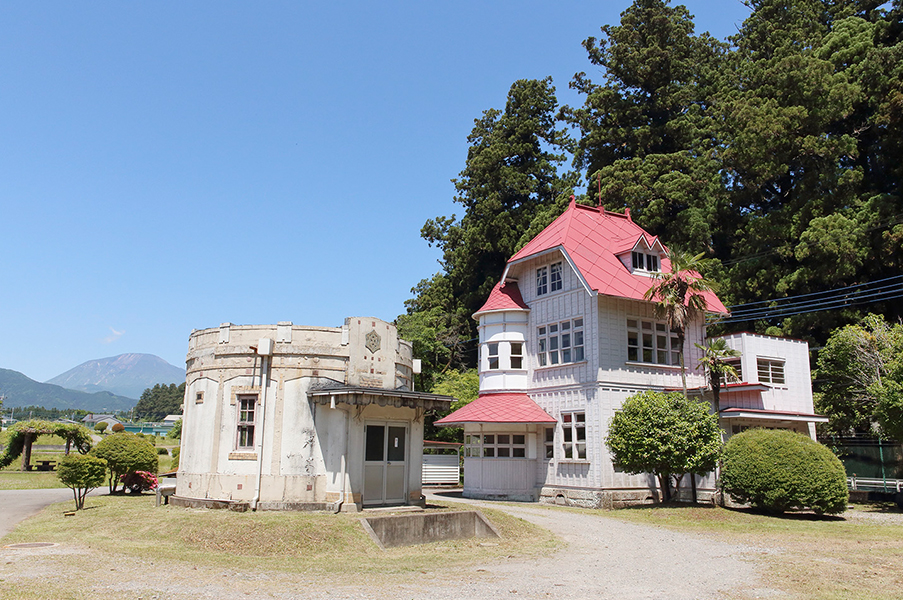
point(13, 478)
point(858, 555)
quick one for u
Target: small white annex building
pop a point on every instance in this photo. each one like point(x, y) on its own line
point(566, 336)
point(290, 417)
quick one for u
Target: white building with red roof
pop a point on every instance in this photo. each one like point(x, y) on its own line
point(565, 337)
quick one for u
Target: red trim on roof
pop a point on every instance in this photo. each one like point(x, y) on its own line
point(593, 238)
point(498, 408)
point(504, 296)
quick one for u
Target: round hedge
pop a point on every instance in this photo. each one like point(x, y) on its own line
point(126, 453)
point(779, 470)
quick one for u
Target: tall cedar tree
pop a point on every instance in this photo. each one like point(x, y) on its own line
point(811, 156)
point(511, 171)
point(648, 141)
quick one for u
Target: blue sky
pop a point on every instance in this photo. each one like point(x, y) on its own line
point(170, 166)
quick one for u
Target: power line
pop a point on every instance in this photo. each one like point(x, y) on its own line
point(828, 300)
point(854, 294)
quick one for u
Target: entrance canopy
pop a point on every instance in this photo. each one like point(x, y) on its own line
point(362, 396)
point(498, 408)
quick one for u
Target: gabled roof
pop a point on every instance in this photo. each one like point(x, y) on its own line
point(498, 408)
point(504, 296)
point(590, 239)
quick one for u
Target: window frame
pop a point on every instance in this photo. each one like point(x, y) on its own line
point(645, 262)
point(492, 358)
point(561, 343)
point(556, 277)
point(656, 332)
point(573, 423)
point(490, 444)
point(542, 281)
point(244, 426)
point(518, 356)
point(775, 373)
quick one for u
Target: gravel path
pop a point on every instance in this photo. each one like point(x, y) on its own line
point(603, 558)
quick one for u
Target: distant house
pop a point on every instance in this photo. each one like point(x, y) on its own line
point(567, 335)
point(92, 420)
point(171, 419)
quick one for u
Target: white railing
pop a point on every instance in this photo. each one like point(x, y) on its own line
point(867, 483)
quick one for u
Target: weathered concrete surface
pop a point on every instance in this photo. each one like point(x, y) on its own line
point(422, 528)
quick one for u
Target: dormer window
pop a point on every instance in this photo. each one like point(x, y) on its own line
point(548, 279)
point(645, 262)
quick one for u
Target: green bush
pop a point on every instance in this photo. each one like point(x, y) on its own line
point(778, 470)
point(126, 453)
point(174, 465)
point(81, 473)
point(101, 426)
point(162, 452)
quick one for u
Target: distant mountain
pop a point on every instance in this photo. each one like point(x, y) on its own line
point(18, 390)
point(127, 375)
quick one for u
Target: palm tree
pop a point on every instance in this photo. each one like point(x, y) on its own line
point(678, 297)
point(714, 360)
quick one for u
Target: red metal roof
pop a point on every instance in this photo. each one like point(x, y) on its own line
point(504, 296)
point(498, 408)
point(592, 238)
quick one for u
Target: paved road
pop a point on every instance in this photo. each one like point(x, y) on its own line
point(18, 505)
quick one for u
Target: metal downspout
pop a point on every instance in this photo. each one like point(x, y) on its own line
point(264, 383)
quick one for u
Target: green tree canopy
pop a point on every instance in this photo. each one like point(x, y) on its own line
point(81, 474)
point(860, 375)
point(664, 434)
point(125, 453)
point(161, 400)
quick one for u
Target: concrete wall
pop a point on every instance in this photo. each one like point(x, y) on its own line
point(303, 444)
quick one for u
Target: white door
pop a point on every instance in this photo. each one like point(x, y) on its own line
point(385, 463)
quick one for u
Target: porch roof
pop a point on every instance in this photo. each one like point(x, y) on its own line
point(498, 408)
point(359, 396)
point(771, 415)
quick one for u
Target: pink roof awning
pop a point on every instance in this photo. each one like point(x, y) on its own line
point(498, 408)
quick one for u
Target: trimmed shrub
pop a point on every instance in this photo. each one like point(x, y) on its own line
point(101, 426)
point(162, 452)
point(81, 473)
point(779, 470)
point(125, 453)
point(117, 427)
point(174, 465)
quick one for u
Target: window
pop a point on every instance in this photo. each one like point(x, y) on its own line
point(493, 349)
point(573, 429)
point(736, 364)
point(559, 343)
point(644, 262)
point(770, 371)
point(550, 443)
point(546, 276)
point(555, 277)
point(199, 398)
point(542, 281)
point(517, 355)
point(496, 445)
point(247, 408)
point(651, 342)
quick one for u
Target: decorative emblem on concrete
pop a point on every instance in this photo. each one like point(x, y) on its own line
point(373, 341)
